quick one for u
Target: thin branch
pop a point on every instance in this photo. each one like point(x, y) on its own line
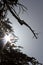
point(21, 21)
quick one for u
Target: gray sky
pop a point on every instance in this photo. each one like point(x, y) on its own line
point(34, 17)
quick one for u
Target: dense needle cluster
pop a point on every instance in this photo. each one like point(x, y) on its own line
point(9, 53)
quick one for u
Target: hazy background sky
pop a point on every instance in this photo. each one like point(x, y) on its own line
point(34, 17)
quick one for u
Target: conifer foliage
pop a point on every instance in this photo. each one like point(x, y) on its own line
point(9, 52)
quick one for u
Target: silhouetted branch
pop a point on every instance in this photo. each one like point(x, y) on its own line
point(9, 52)
point(16, 57)
point(21, 21)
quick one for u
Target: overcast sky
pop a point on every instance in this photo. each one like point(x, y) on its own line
point(34, 17)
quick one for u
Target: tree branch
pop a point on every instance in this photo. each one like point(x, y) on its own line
point(21, 21)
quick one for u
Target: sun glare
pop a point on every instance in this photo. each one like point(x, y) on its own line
point(10, 38)
point(7, 38)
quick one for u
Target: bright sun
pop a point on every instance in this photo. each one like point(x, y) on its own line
point(7, 38)
point(10, 38)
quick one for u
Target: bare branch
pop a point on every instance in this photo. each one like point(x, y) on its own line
point(21, 21)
